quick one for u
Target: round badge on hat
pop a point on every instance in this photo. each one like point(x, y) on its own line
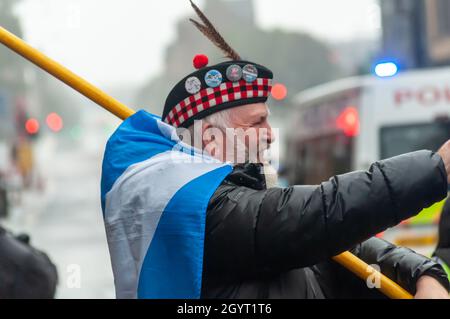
point(193, 85)
point(213, 78)
point(234, 73)
point(250, 73)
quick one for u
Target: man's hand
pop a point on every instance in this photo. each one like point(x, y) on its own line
point(430, 288)
point(444, 152)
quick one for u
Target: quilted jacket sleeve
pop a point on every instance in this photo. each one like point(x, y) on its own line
point(249, 232)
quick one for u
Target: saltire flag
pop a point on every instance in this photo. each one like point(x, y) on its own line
point(155, 191)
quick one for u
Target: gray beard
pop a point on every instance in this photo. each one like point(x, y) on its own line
point(270, 175)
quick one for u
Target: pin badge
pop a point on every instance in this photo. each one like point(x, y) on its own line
point(250, 73)
point(213, 78)
point(193, 85)
point(234, 73)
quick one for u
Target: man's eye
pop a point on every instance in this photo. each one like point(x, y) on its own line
point(261, 121)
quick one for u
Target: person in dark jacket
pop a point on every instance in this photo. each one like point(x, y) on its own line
point(25, 272)
point(277, 242)
point(263, 241)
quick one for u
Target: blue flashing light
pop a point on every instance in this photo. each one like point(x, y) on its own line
point(386, 69)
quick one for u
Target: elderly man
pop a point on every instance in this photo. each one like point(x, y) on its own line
point(195, 218)
point(276, 242)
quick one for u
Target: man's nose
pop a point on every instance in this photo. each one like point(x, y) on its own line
point(270, 135)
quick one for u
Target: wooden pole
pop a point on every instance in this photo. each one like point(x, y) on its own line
point(363, 271)
point(65, 75)
point(346, 259)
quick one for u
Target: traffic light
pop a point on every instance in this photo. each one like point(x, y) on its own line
point(54, 122)
point(279, 91)
point(32, 126)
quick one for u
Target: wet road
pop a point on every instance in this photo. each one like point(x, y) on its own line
point(65, 219)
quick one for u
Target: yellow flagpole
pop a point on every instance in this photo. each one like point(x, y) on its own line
point(363, 271)
point(346, 259)
point(65, 75)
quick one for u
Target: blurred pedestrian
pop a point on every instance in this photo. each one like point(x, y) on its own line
point(23, 159)
point(25, 272)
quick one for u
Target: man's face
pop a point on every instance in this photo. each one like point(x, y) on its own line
point(248, 136)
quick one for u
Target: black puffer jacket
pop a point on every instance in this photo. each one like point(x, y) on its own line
point(277, 242)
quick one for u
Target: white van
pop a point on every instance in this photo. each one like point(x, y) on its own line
point(348, 124)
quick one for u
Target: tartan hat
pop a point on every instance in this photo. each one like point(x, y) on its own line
point(218, 87)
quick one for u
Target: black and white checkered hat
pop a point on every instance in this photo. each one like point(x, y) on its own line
point(215, 88)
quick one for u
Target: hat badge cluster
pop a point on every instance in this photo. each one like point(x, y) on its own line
point(213, 78)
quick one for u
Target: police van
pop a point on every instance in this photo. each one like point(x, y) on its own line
point(350, 123)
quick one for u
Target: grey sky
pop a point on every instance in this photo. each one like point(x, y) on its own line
point(113, 42)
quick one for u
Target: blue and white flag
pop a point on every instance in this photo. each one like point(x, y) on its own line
point(155, 193)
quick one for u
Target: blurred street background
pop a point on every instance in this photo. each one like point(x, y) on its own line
point(356, 81)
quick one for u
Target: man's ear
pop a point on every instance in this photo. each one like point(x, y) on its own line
point(207, 134)
point(213, 144)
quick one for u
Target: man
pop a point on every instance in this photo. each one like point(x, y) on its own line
point(183, 223)
point(259, 240)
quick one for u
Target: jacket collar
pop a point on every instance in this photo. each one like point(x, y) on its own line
point(249, 175)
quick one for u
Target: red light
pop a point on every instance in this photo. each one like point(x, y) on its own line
point(380, 235)
point(32, 126)
point(348, 121)
point(54, 122)
point(279, 91)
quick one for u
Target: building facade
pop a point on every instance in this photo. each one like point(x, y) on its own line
point(416, 33)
